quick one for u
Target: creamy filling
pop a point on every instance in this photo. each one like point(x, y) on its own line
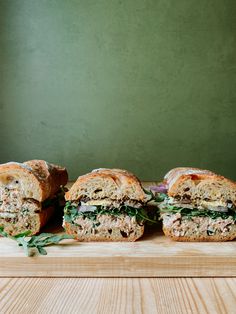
point(104, 222)
point(202, 226)
point(17, 210)
point(8, 215)
point(11, 201)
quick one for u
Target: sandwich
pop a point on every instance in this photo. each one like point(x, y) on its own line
point(106, 205)
point(29, 194)
point(198, 205)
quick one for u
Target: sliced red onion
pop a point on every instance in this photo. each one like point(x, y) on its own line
point(160, 188)
point(87, 208)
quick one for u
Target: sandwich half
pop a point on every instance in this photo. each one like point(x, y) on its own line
point(199, 206)
point(28, 194)
point(105, 205)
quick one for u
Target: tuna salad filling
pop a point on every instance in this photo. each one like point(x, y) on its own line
point(107, 224)
point(18, 214)
point(11, 201)
point(198, 226)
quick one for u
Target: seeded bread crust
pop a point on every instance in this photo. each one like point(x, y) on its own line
point(37, 179)
point(114, 184)
point(198, 183)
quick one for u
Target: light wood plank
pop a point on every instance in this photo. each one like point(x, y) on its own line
point(153, 256)
point(162, 295)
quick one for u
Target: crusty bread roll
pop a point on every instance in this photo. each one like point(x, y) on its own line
point(23, 189)
point(37, 179)
point(200, 186)
point(107, 189)
point(212, 198)
point(114, 184)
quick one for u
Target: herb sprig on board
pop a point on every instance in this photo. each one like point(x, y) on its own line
point(71, 213)
point(189, 212)
point(35, 243)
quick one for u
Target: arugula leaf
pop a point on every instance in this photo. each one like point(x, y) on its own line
point(157, 197)
point(41, 250)
point(145, 217)
point(37, 242)
point(23, 234)
point(189, 212)
point(71, 213)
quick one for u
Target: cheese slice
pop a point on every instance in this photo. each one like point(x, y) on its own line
point(97, 202)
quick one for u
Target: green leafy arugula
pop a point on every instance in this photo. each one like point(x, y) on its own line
point(71, 213)
point(189, 212)
point(35, 243)
point(156, 197)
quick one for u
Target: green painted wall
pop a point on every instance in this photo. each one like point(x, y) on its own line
point(143, 85)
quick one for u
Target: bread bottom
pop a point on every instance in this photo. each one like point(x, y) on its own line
point(113, 229)
point(198, 229)
point(22, 223)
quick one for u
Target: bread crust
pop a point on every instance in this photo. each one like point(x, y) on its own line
point(177, 175)
point(117, 184)
point(115, 171)
point(38, 179)
point(175, 179)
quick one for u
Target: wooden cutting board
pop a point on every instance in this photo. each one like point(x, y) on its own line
point(154, 255)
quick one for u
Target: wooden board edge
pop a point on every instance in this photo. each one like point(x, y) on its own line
point(118, 267)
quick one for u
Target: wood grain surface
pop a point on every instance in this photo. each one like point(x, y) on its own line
point(115, 295)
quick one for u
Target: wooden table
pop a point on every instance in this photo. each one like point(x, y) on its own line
point(25, 291)
point(118, 295)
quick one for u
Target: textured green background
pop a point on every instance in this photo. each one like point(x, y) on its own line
point(142, 85)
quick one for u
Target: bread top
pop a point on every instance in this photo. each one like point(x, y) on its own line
point(177, 174)
point(104, 183)
point(203, 187)
point(35, 179)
